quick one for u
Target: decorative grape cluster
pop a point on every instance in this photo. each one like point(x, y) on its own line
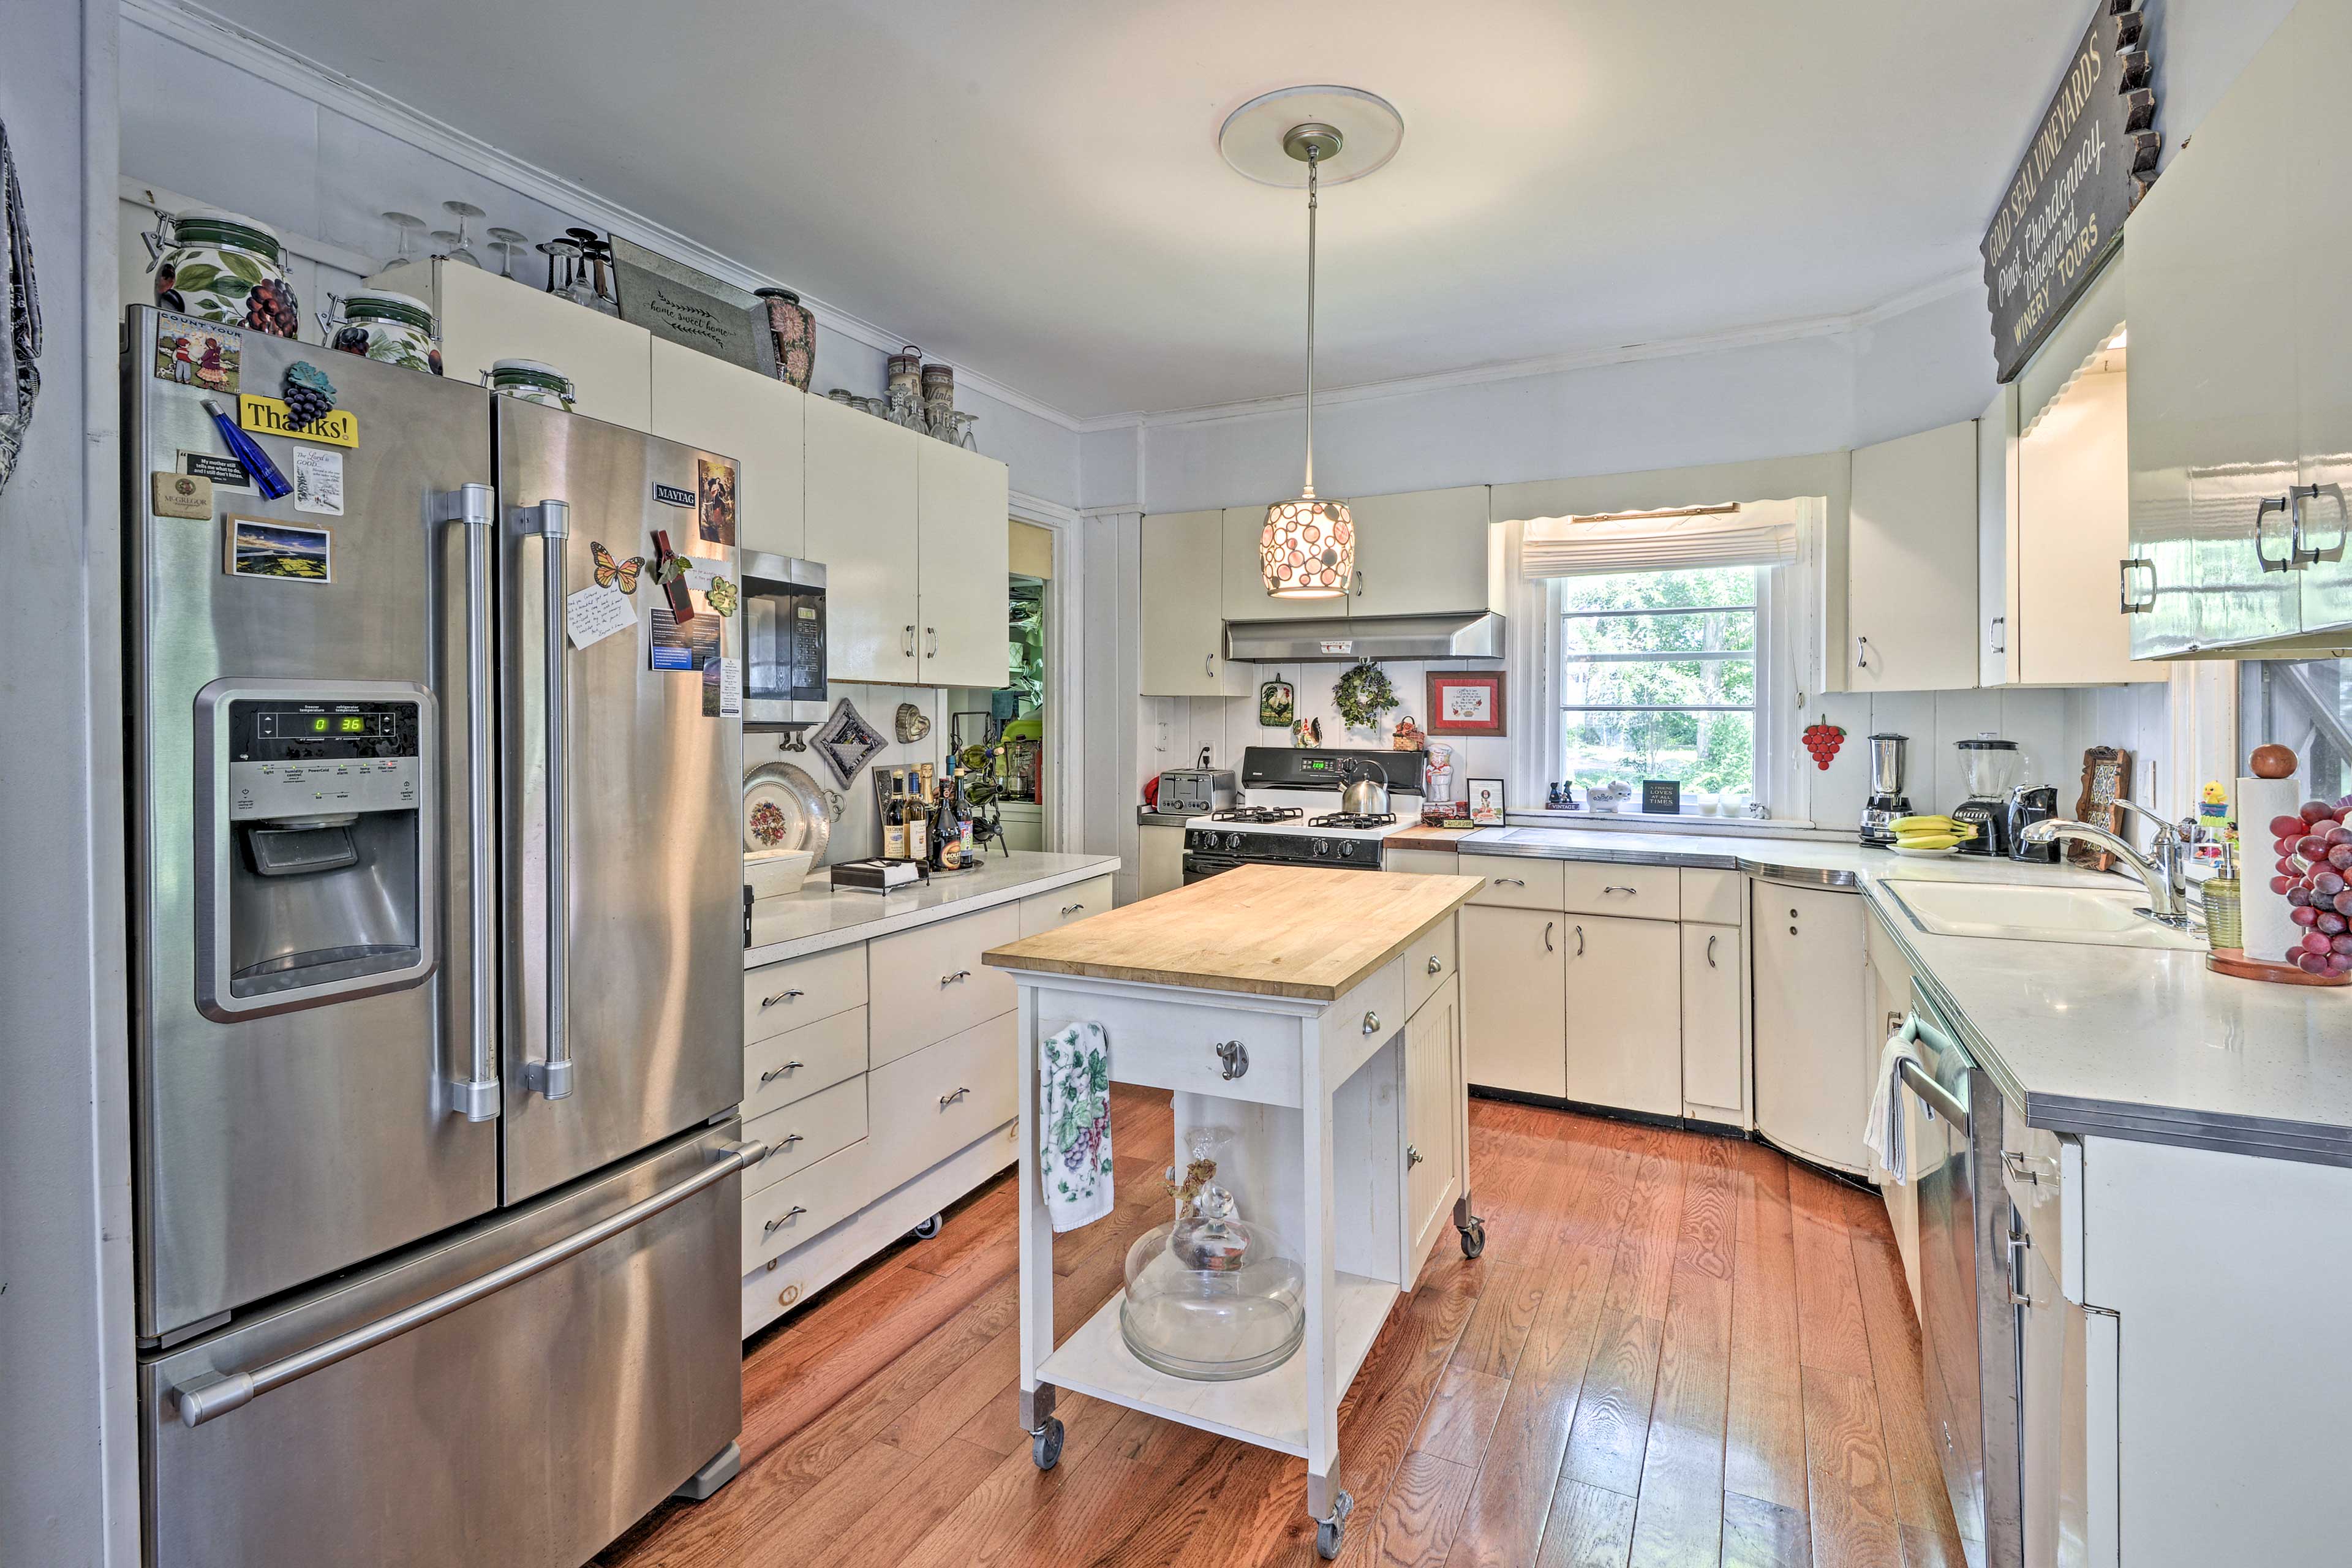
point(2315, 854)
point(1821, 743)
point(270, 308)
point(308, 395)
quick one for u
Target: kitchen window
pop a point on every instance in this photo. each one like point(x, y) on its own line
point(1658, 677)
point(2305, 704)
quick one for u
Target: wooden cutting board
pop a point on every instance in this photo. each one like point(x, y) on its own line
point(1270, 931)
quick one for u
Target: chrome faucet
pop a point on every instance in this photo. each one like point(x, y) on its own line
point(2163, 871)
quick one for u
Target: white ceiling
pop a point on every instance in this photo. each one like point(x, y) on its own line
point(1033, 188)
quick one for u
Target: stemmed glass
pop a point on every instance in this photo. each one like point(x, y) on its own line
point(458, 250)
point(506, 242)
point(408, 224)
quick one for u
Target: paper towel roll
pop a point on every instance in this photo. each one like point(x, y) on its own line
point(2269, 932)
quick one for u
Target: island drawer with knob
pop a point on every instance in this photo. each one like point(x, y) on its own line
point(930, 983)
point(1050, 911)
point(805, 1131)
point(1429, 962)
point(805, 1204)
point(779, 997)
point(1514, 883)
point(1201, 1049)
point(931, 1102)
point(1633, 892)
point(799, 1062)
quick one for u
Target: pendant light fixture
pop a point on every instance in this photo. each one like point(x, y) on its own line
point(1308, 550)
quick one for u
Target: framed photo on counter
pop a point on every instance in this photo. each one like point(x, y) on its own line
point(1486, 802)
point(1466, 702)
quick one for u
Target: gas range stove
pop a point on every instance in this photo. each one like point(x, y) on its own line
point(1290, 813)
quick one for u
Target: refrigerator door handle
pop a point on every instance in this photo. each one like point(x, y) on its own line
point(552, 1074)
point(203, 1399)
point(475, 1094)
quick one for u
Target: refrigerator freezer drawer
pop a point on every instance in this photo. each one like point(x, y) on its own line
point(528, 1427)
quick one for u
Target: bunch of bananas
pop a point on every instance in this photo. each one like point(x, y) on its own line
point(1931, 832)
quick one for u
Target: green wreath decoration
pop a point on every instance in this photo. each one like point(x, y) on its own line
point(1362, 695)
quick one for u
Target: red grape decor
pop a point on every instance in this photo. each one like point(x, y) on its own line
point(2313, 859)
point(1822, 741)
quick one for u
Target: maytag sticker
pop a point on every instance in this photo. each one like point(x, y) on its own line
point(670, 495)
point(270, 416)
point(190, 353)
point(318, 480)
point(225, 473)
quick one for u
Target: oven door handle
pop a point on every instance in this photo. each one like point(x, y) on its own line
point(201, 1399)
point(1938, 1099)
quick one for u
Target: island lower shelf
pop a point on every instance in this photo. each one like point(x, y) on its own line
point(1269, 1409)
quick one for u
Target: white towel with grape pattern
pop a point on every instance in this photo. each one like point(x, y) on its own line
point(1074, 1125)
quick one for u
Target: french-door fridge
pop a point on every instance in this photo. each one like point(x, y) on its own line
point(437, 952)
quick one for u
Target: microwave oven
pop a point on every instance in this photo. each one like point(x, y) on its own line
point(783, 640)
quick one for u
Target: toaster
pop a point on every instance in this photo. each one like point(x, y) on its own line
point(1194, 792)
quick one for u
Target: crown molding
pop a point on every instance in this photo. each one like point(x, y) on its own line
point(219, 38)
point(1027, 508)
point(1789, 331)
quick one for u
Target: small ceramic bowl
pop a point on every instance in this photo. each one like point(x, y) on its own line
point(774, 873)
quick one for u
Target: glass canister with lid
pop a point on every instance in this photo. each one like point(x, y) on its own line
point(1210, 1296)
point(222, 267)
point(533, 381)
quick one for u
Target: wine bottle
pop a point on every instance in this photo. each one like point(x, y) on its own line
point(947, 843)
point(893, 821)
point(917, 821)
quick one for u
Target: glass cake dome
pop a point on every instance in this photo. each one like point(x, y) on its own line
point(1209, 1295)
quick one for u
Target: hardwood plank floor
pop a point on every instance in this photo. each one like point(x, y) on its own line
point(1676, 1350)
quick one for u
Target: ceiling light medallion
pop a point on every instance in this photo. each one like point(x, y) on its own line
point(1308, 550)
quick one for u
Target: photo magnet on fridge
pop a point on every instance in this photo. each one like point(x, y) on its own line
point(714, 510)
point(282, 552)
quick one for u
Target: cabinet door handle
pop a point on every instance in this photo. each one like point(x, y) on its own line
point(1710, 956)
point(1372, 1022)
point(1360, 583)
point(768, 1002)
point(958, 978)
point(1861, 653)
point(2017, 1246)
point(2262, 509)
point(783, 1219)
point(948, 1100)
point(1509, 882)
point(907, 640)
point(1236, 1056)
point(932, 642)
point(773, 1074)
point(1548, 946)
point(2131, 604)
point(1630, 893)
point(2000, 640)
point(1436, 965)
point(1412, 1156)
point(789, 1139)
point(1208, 665)
point(1069, 909)
point(1579, 942)
point(2018, 1169)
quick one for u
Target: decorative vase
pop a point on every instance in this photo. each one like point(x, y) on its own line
point(905, 378)
point(793, 327)
point(377, 324)
point(528, 381)
point(222, 267)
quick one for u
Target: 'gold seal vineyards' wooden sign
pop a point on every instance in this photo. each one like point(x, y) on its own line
point(2090, 160)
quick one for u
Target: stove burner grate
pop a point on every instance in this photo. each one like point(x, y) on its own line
point(1355, 819)
point(1258, 814)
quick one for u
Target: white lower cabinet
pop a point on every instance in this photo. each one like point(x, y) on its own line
point(1714, 1025)
point(1623, 1003)
point(928, 1105)
point(1814, 1056)
point(1514, 989)
point(1434, 1172)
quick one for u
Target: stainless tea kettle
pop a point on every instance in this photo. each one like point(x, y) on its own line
point(1367, 794)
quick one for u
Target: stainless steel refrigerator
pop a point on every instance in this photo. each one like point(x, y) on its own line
point(437, 964)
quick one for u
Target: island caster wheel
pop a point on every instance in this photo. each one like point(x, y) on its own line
point(925, 1231)
point(1330, 1533)
point(1473, 1237)
point(1046, 1444)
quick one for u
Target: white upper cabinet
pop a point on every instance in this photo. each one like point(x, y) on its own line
point(1183, 648)
point(2074, 497)
point(963, 550)
point(1911, 564)
point(1424, 554)
point(1246, 598)
point(753, 418)
point(484, 318)
point(2318, 41)
point(1997, 539)
point(861, 509)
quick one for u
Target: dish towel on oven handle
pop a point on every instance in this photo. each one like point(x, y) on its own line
point(1883, 1134)
point(1074, 1125)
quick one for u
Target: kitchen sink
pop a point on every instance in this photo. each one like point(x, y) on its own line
point(2018, 911)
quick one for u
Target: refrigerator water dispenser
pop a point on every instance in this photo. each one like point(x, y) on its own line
point(316, 849)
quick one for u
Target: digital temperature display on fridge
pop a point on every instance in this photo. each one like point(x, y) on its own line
point(264, 731)
point(343, 724)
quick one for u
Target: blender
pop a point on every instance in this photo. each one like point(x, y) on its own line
point(1988, 766)
point(1887, 802)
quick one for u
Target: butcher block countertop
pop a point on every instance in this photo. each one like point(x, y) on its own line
point(1271, 930)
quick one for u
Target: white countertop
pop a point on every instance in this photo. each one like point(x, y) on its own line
point(818, 916)
point(2133, 1042)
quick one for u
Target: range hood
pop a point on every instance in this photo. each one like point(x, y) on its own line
point(1344, 640)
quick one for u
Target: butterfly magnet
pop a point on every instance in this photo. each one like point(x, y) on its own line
point(610, 573)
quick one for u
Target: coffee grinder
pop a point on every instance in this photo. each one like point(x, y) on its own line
point(1989, 766)
point(1887, 802)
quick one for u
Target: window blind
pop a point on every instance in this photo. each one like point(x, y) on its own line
point(1593, 547)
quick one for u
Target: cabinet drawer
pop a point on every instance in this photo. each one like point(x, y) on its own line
point(1360, 1022)
point(797, 1063)
point(1715, 897)
point(807, 1203)
point(1424, 862)
point(779, 997)
point(1050, 911)
point(1175, 1048)
point(1515, 884)
point(931, 1102)
point(1429, 962)
point(1636, 892)
point(930, 983)
point(805, 1131)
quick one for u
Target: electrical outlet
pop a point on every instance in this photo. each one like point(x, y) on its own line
point(1161, 735)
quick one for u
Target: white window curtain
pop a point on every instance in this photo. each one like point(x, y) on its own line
point(1662, 541)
